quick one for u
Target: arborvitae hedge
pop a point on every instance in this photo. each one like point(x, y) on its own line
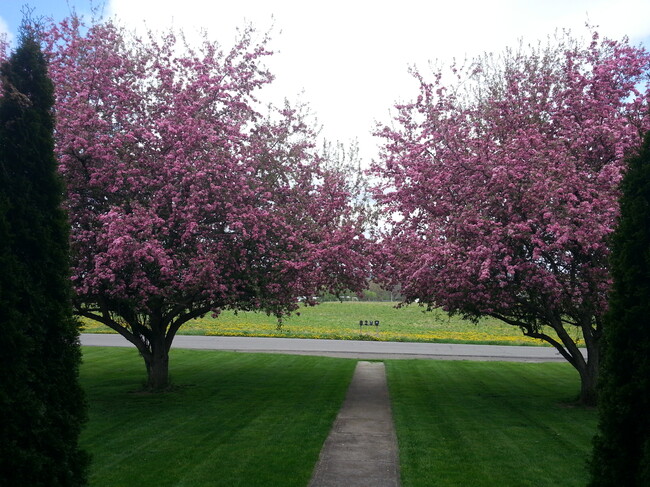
point(622, 446)
point(41, 403)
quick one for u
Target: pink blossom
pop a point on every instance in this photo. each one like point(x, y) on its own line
point(508, 183)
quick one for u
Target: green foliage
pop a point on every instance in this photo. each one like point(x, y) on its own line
point(41, 403)
point(622, 446)
point(489, 424)
point(233, 419)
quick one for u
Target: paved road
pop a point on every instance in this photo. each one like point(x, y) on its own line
point(358, 349)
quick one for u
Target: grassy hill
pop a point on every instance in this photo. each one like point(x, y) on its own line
point(340, 320)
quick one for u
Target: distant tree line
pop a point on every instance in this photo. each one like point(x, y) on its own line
point(373, 292)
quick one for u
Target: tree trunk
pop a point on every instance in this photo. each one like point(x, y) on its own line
point(158, 373)
point(157, 363)
point(589, 378)
point(153, 340)
point(588, 383)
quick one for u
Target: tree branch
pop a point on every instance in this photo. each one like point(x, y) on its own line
point(530, 332)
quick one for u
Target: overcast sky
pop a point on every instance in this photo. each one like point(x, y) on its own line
point(350, 58)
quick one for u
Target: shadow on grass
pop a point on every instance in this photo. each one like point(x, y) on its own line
point(229, 419)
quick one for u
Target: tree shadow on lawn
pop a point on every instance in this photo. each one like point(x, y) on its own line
point(245, 419)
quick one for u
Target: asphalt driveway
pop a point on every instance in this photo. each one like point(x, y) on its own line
point(358, 349)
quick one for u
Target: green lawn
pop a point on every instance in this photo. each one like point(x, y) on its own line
point(260, 420)
point(234, 419)
point(489, 424)
point(337, 320)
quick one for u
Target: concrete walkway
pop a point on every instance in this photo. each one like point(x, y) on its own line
point(361, 450)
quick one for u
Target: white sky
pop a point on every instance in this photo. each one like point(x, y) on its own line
point(351, 58)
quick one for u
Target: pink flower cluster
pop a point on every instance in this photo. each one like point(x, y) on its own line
point(183, 198)
point(504, 186)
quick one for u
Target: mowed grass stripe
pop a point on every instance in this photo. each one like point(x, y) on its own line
point(234, 419)
point(246, 419)
point(489, 424)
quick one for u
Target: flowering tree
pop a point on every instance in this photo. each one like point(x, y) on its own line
point(183, 198)
point(503, 188)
